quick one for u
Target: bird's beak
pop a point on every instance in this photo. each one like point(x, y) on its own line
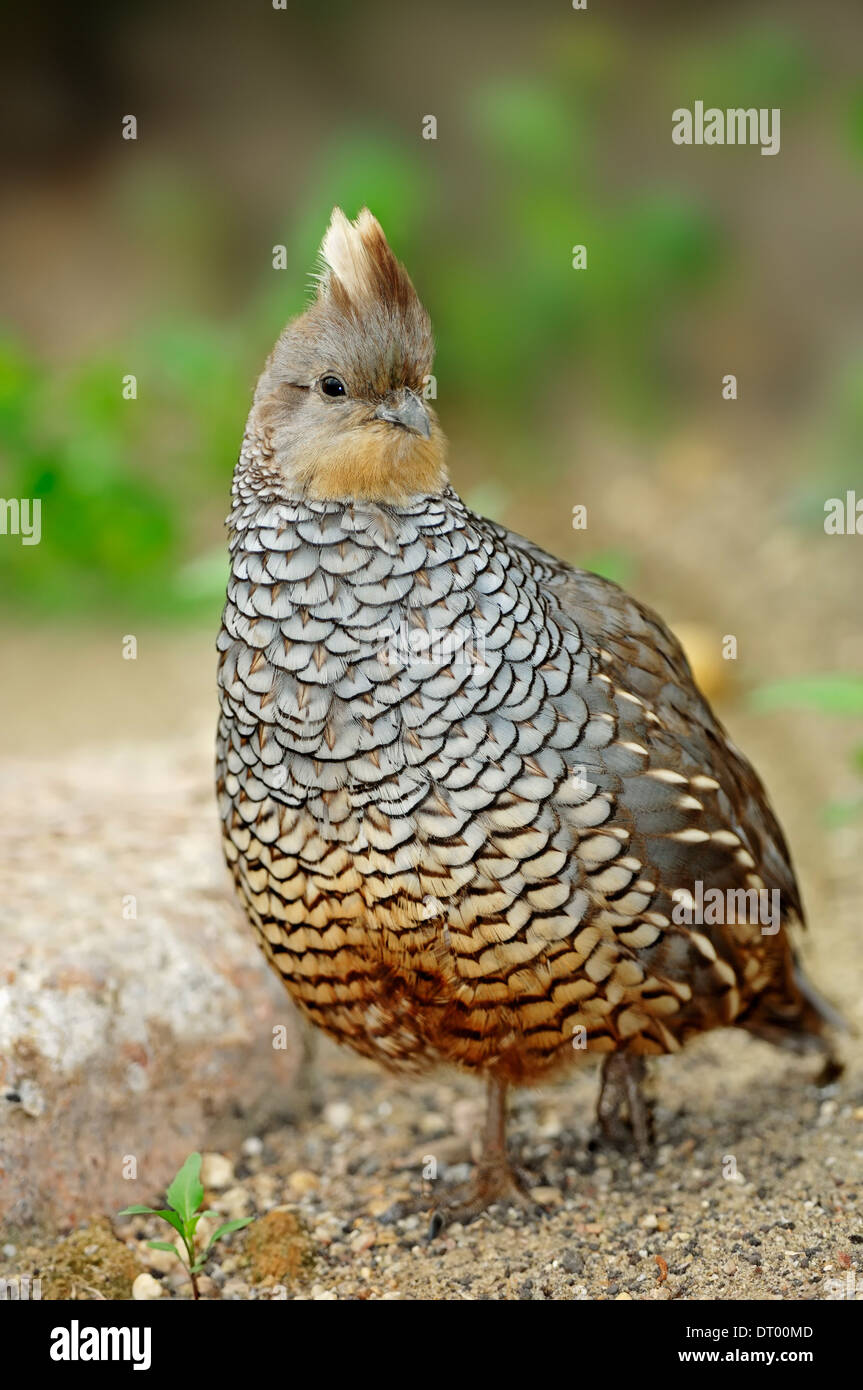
point(406, 410)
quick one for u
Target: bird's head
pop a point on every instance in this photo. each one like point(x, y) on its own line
point(340, 400)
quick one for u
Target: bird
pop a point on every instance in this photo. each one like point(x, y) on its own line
point(473, 802)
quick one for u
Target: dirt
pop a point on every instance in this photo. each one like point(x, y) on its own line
point(88, 1263)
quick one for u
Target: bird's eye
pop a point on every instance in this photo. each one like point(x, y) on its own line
point(331, 386)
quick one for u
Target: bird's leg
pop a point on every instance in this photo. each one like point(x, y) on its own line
point(621, 1088)
point(494, 1179)
point(494, 1169)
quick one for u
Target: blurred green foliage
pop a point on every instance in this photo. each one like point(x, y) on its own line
point(840, 693)
point(837, 693)
point(762, 64)
point(835, 434)
point(133, 490)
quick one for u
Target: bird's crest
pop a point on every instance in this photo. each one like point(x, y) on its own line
point(358, 268)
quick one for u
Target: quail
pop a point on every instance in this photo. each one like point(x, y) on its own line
point(472, 798)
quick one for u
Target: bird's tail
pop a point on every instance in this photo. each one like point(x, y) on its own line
point(801, 1020)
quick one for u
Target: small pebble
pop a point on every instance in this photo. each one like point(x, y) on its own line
point(302, 1181)
point(159, 1260)
point(146, 1288)
point(235, 1203)
point(217, 1171)
point(546, 1196)
point(338, 1114)
point(32, 1099)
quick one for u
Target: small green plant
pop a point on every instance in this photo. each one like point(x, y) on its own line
point(185, 1195)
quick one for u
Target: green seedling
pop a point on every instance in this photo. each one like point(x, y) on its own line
point(185, 1195)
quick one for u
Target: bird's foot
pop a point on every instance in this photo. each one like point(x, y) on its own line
point(495, 1181)
point(623, 1112)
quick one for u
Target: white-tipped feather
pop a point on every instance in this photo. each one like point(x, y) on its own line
point(345, 253)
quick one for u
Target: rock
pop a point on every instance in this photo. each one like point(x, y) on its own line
point(361, 1241)
point(162, 1261)
point(136, 1010)
point(572, 1262)
point(32, 1099)
point(145, 1288)
point(216, 1171)
point(302, 1181)
point(432, 1124)
point(235, 1288)
point(235, 1203)
point(338, 1114)
point(546, 1196)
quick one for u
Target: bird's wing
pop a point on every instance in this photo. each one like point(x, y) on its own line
point(709, 821)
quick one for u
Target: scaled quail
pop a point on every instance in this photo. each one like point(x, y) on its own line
point(471, 796)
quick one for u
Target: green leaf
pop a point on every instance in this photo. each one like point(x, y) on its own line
point(228, 1226)
point(163, 1245)
point(186, 1192)
point(173, 1219)
point(139, 1211)
point(839, 693)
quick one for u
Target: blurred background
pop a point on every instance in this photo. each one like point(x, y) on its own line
point(557, 387)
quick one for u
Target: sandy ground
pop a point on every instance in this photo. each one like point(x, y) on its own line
point(756, 1190)
point(754, 1193)
point(786, 1220)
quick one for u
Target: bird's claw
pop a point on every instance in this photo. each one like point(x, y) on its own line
point(495, 1182)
